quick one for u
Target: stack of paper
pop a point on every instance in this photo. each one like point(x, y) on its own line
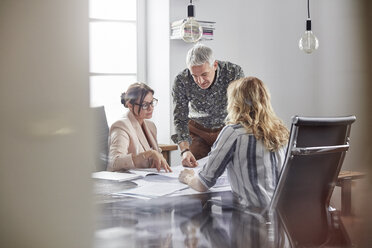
point(152, 171)
point(153, 190)
point(115, 176)
point(160, 183)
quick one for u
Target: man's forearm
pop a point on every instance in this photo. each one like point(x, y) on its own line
point(184, 145)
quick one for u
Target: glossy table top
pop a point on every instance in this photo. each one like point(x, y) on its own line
point(200, 220)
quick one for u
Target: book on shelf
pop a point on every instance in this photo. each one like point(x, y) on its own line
point(204, 37)
point(207, 26)
point(204, 28)
point(180, 38)
point(202, 23)
point(178, 32)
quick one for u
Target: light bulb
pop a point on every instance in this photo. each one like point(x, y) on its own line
point(308, 42)
point(191, 31)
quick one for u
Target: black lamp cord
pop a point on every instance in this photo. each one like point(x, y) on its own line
point(190, 10)
point(308, 9)
point(308, 21)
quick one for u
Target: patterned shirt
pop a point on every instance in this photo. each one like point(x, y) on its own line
point(205, 106)
point(253, 170)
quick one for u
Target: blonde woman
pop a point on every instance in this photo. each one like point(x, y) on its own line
point(132, 140)
point(251, 146)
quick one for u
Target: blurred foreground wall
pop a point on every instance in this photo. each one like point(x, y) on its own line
point(45, 132)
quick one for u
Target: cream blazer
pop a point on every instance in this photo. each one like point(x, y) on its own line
point(126, 137)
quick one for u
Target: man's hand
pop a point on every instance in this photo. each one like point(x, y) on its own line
point(188, 160)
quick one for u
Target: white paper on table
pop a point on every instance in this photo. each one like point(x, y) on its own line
point(191, 191)
point(152, 171)
point(154, 189)
point(115, 176)
point(175, 170)
point(135, 196)
point(222, 181)
point(146, 171)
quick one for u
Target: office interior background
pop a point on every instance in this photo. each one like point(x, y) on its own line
point(47, 135)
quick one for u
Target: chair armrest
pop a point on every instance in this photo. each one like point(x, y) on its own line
point(166, 149)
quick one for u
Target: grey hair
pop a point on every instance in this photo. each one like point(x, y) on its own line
point(198, 55)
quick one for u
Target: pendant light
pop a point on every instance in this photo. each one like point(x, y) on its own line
point(308, 42)
point(191, 31)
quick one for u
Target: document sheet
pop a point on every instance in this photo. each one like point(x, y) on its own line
point(152, 183)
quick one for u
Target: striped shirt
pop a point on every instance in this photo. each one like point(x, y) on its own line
point(252, 169)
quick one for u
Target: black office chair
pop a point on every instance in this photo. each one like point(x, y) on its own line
point(101, 131)
point(314, 157)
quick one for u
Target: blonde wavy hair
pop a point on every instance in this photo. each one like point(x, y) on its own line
point(249, 104)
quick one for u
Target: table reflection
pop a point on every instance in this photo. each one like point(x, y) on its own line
point(203, 220)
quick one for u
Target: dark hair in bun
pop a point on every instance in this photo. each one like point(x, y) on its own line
point(135, 91)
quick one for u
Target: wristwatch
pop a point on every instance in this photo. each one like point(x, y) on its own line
point(186, 150)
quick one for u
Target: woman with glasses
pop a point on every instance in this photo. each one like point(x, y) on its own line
point(132, 140)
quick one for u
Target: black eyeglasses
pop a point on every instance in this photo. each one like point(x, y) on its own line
point(146, 105)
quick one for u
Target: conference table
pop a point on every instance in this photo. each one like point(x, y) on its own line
point(211, 219)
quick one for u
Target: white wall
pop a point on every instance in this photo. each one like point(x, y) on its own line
point(158, 64)
point(343, 84)
point(45, 147)
point(262, 37)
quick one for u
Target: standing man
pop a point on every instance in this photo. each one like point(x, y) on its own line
point(199, 99)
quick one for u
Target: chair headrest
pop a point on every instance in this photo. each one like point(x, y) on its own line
point(322, 121)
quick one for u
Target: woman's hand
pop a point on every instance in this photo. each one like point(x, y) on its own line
point(158, 161)
point(186, 175)
point(188, 160)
